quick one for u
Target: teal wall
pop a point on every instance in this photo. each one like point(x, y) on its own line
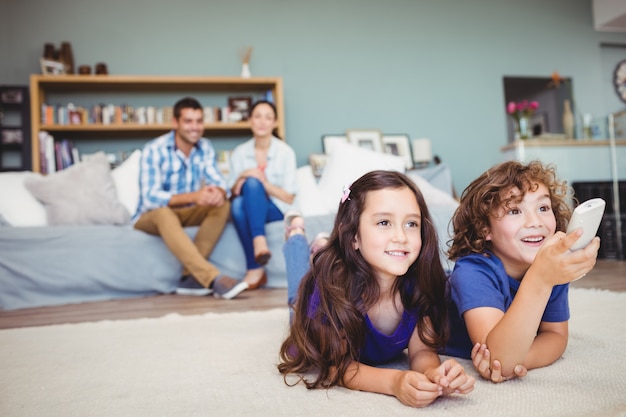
point(426, 68)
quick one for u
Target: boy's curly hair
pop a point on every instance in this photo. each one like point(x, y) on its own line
point(488, 193)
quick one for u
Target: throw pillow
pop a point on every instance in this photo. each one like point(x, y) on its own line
point(82, 194)
point(348, 162)
point(126, 179)
point(309, 199)
point(17, 204)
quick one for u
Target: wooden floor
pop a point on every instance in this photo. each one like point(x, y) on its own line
point(607, 274)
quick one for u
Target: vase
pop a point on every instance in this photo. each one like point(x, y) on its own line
point(568, 120)
point(245, 70)
point(67, 57)
point(523, 128)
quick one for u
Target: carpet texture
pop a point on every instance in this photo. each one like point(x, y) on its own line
point(225, 365)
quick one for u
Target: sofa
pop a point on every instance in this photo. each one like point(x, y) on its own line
point(66, 237)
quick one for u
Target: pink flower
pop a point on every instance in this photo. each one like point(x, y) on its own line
point(511, 107)
point(523, 108)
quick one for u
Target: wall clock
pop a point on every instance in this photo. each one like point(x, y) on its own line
point(619, 80)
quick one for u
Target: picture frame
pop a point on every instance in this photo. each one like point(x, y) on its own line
point(371, 139)
point(399, 144)
point(12, 137)
point(11, 97)
point(241, 105)
point(318, 163)
point(328, 141)
point(49, 67)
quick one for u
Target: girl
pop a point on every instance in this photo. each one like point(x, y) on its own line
point(263, 173)
point(376, 288)
point(513, 267)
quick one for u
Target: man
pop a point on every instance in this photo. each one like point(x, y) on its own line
point(182, 186)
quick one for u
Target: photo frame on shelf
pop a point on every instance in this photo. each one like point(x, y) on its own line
point(371, 139)
point(318, 163)
point(11, 97)
point(328, 141)
point(49, 67)
point(240, 105)
point(12, 137)
point(398, 144)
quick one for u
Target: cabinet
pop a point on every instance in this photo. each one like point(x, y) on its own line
point(575, 160)
point(90, 90)
point(15, 137)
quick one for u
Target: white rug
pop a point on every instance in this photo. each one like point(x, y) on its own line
point(225, 365)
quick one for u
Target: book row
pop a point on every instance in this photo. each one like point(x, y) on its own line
point(109, 114)
point(56, 155)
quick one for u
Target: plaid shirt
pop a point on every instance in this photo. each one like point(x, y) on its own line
point(165, 172)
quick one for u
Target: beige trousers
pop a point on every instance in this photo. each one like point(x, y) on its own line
point(169, 222)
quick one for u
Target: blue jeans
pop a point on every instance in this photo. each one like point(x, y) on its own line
point(297, 261)
point(250, 211)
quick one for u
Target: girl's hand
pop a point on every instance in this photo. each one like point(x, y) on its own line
point(415, 389)
point(451, 377)
point(481, 360)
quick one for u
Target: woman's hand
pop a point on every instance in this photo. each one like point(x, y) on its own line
point(481, 359)
point(253, 173)
point(451, 377)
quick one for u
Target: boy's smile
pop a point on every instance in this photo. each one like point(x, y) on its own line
point(519, 230)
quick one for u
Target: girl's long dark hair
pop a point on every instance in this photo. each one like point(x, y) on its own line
point(323, 343)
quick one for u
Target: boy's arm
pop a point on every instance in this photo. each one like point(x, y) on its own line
point(513, 339)
point(509, 336)
point(548, 346)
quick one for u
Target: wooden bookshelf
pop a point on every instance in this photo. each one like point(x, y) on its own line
point(133, 85)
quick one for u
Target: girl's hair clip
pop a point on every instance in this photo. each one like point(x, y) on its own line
point(345, 194)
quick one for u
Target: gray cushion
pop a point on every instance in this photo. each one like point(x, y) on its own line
point(81, 194)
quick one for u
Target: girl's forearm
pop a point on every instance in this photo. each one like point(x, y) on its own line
point(424, 360)
point(368, 378)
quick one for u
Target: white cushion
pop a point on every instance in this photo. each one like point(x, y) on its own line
point(82, 194)
point(347, 163)
point(17, 204)
point(126, 179)
point(309, 199)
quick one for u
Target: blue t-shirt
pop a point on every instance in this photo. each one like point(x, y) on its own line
point(379, 348)
point(480, 280)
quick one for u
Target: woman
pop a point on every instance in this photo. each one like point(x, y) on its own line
point(263, 183)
